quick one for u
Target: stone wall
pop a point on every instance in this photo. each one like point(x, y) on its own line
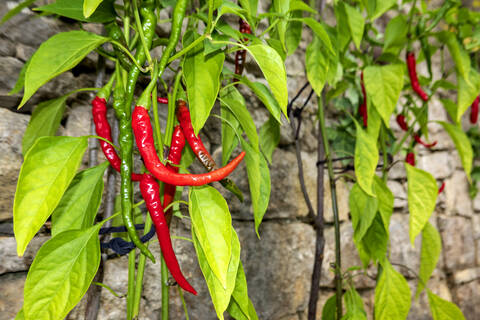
point(278, 266)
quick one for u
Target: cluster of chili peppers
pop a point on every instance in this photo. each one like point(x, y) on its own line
point(149, 187)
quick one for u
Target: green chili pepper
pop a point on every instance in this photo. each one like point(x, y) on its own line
point(177, 20)
point(114, 32)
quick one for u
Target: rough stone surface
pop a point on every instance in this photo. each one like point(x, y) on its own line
point(457, 199)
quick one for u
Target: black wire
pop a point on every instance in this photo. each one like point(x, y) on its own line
point(121, 246)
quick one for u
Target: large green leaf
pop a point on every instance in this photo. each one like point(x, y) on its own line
point(259, 182)
point(73, 9)
point(89, 7)
point(329, 310)
point(202, 77)
point(238, 314)
point(443, 309)
point(21, 78)
point(317, 65)
point(45, 121)
point(392, 295)
point(463, 145)
point(10, 14)
point(274, 72)
point(61, 273)
point(251, 7)
point(232, 99)
point(293, 33)
point(354, 305)
point(356, 22)
point(374, 242)
point(422, 196)
point(320, 32)
point(80, 203)
point(269, 137)
point(58, 54)
point(468, 89)
point(212, 224)
point(265, 95)
point(383, 85)
point(381, 6)
point(48, 169)
point(229, 137)
point(458, 53)
point(385, 200)
point(220, 294)
point(363, 209)
point(430, 253)
point(395, 35)
point(343, 29)
point(281, 7)
point(366, 159)
point(240, 293)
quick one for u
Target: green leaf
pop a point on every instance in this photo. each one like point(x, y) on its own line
point(61, 273)
point(45, 121)
point(354, 305)
point(301, 6)
point(459, 55)
point(232, 8)
point(468, 89)
point(269, 137)
point(422, 196)
point(58, 54)
point(374, 243)
point(20, 315)
point(443, 309)
point(80, 203)
point(317, 65)
point(259, 182)
point(343, 29)
point(430, 253)
point(451, 108)
point(281, 7)
point(202, 78)
point(21, 79)
point(264, 94)
point(320, 32)
point(48, 169)
point(229, 138)
point(385, 200)
point(363, 209)
point(383, 85)
point(219, 293)
point(12, 13)
point(232, 99)
point(293, 33)
point(382, 6)
point(329, 311)
point(73, 9)
point(89, 7)
point(366, 159)
point(463, 145)
point(274, 72)
point(212, 224)
point(392, 295)
point(356, 22)
point(395, 35)
point(237, 313)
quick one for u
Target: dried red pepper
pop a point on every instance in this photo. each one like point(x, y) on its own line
point(402, 123)
point(426, 145)
point(362, 109)
point(202, 154)
point(102, 127)
point(474, 110)
point(412, 71)
point(410, 158)
point(142, 130)
point(150, 192)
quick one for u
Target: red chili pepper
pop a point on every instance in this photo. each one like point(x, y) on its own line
point(174, 157)
point(412, 71)
point(362, 110)
point(183, 116)
point(410, 158)
point(474, 111)
point(442, 187)
point(102, 127)
point(142, 130)
point(426, 145)
point(162, 100)
point(150, 193)
point(240, 55)
point(402, 122)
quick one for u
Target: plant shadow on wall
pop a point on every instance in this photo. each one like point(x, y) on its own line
point(363, 75)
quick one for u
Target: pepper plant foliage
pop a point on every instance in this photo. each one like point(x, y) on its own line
point(349, 60)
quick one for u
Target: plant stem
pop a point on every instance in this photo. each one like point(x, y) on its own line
point(131, 283)
point(187, 48)
point(140, 32)
point(333, 191)
point(165, 290)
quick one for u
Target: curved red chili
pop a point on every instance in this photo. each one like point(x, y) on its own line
point(426, 145)
point(410, 158)
point(442, 187)
point(362, 109)
point(474, 110)
point(402, 123)
point(150, 192)
point(102, 127)
point(174, 157)
point(142, 130)
point(412, 71)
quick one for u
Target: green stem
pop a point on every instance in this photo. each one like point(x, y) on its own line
point(165, 290)
point(131, 283)
point(333, 191)
point(180, 293)
point(140, 271)
point(410, 18)
point(187, 48)
point(172, 98)
point(140, 32)
point(119, 45)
